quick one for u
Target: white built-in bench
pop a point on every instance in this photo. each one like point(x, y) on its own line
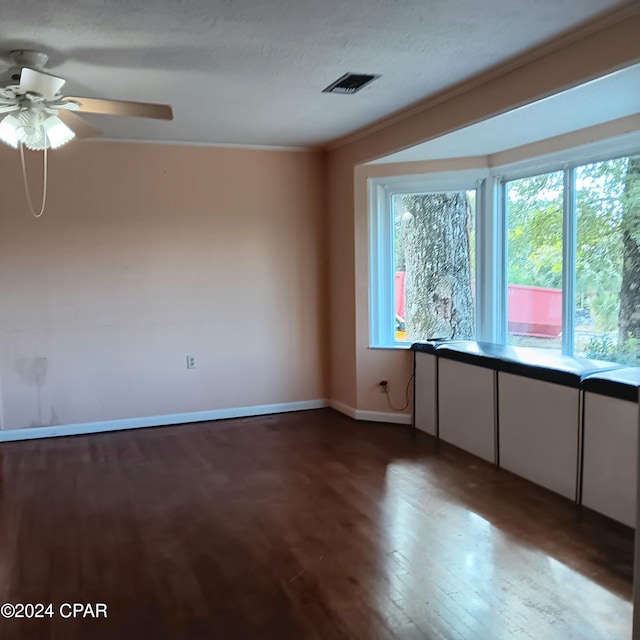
point(522, 409)
point(609, 462)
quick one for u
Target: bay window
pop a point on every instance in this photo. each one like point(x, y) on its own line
point(550, 260)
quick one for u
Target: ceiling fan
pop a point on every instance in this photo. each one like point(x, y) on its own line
point(36, 114)
point(39, 115)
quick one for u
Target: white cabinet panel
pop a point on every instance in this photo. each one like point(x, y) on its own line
point(539, 428)
point(466, 407)
point(609, 472)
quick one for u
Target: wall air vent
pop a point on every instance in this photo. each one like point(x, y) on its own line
point(350, 83)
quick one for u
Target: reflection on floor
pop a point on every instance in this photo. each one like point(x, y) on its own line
point(304, 525)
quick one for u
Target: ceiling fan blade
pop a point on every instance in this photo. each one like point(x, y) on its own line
point(124, 108)
point(80, 127)
point(45, 84)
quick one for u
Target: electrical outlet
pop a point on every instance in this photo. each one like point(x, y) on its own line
point(191, 362)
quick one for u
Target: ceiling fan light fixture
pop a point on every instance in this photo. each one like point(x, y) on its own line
point(9, 131)
point(30, 110)
point(34, 131)
point(29, 129)
point(57, 132)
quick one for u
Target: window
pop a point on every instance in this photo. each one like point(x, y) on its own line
point(566, 260)
point(605, 302)
point(534, 212)
point(430, 247)
point(433, 240)
point(550, 259)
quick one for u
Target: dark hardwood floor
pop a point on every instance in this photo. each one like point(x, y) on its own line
point(304, 525)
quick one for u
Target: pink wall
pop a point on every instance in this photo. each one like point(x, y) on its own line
point(128, 272)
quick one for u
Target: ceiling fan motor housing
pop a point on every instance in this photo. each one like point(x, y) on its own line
point(27, 58)
point(21, 58)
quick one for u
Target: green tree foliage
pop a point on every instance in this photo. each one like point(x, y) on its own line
point(607, 249)
point(534, 209)
point(600, 189)
point(629, 316)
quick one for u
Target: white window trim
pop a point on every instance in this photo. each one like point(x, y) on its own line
point(491, 236)
point(381, 253)
point(567, 162)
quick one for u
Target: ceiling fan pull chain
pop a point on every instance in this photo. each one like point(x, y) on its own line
point(44, 180)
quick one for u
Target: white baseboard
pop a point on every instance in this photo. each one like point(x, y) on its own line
point(157, 421)
point(384, 416)
point(371, 416)
point(343, 408)
point(11, 435)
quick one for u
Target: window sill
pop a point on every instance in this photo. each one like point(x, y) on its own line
point(392, 347)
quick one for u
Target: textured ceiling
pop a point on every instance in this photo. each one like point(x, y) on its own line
point(252, 71)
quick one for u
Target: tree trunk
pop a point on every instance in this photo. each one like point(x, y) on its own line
point(629, 315)
point(438, 296)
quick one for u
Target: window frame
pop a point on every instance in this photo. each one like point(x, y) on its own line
point(491, 241)
point(382, 246)
point(568, 231)
point(567, 163)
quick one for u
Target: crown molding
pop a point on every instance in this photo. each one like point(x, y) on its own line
point(590, 27)
point(214, 145)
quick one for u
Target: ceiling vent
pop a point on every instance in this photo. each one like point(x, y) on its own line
point(350, 83)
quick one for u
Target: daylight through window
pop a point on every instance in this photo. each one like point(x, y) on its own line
point(565, 277)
